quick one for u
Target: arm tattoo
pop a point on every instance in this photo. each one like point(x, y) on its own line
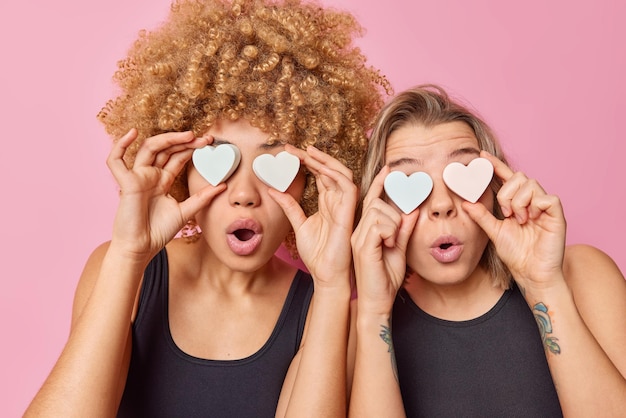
point(545, 327)
point(385, 335)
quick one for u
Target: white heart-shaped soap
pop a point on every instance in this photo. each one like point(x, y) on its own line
point(216, 164)
point(276, 171)
point(469, 181)
point(408, 192)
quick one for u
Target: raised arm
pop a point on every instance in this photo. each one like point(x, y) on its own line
point(316, 381)
point(579, 300)
point(379, 247)
point(89, 376)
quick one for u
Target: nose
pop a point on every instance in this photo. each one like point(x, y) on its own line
point(243, 188)
point(441, 203)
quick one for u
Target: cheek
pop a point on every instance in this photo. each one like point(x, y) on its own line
point(487, 199)
point(195, 181)
point(296, 189)
point(416, 246)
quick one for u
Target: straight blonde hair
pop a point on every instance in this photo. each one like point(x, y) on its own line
point(429, 105)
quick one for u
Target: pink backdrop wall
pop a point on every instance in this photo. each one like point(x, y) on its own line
point(548, 76)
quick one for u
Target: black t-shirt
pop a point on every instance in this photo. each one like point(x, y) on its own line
point(163, 381)
point(491, 366)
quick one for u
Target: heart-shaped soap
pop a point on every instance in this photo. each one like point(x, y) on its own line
point(276, 171)
point(469, 181)
point(216, 164)
point(408, 192)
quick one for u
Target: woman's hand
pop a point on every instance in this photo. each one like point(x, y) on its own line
point(323, 239)
point(531, 238)
point(379, 245)
point(147, 216)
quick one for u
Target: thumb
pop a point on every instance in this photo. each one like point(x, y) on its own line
point(407, 226)
point(484, 218)
point(290, 206)
point(190, 206)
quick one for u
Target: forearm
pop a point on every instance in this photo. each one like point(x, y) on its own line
point(587, 382)
point(375, 388)
point(86, 379)
point(319, 389)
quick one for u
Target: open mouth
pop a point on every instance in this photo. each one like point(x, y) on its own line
point(243, 234)
point(446, 249)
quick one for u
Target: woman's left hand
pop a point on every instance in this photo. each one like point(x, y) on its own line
point(323, 239)
point(531, 237)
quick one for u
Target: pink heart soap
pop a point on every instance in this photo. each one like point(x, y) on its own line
point(276, 171)
point(469, 181)
point(408, 192)
point(216, 164)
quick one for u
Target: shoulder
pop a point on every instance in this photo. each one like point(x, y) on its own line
point(597, 285)
point(585, 266)
point(599, 292)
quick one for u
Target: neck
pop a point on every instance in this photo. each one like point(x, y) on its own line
point(236, 279)
point(460, 301)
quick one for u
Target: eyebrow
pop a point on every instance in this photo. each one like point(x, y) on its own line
point(418, 161)
point(220, 141)
point(405, 161)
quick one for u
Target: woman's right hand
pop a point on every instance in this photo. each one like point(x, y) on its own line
point(379, 245)
point(147, 216)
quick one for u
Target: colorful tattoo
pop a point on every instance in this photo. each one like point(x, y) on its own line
point(385, 335)
point(545, 327)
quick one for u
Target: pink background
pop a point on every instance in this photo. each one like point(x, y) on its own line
point(548, 76)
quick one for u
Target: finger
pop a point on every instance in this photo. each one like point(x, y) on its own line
point(372, 235)
point(290, 206)
point(161, 158)
point(175, 166)
point(484, 218)
point(190, 206)
point(330, 179)
point(501, 170)
point(406, 229)
point(523, 199)
point(314, 160)
point(507, 192)
point(115, 158)
point(376, 188)
point(300, 153)
point(549, 204)
point(376, 215)
point(152, 146)
point(328, 161)
point(381, 208)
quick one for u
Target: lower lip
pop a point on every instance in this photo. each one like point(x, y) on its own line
point(243, 247)
point(448, 255)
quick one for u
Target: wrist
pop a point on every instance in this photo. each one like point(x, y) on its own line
point(335, 283)
point(334, 294)
point(372, 320)
point(119, 254)
point(554, 289)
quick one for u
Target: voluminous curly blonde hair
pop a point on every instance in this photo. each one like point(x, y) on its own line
point(288, 67)
point(429, 105)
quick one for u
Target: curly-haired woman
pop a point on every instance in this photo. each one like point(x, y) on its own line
point(213, 323)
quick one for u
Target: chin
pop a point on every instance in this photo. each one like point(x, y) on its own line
point(445, 275)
